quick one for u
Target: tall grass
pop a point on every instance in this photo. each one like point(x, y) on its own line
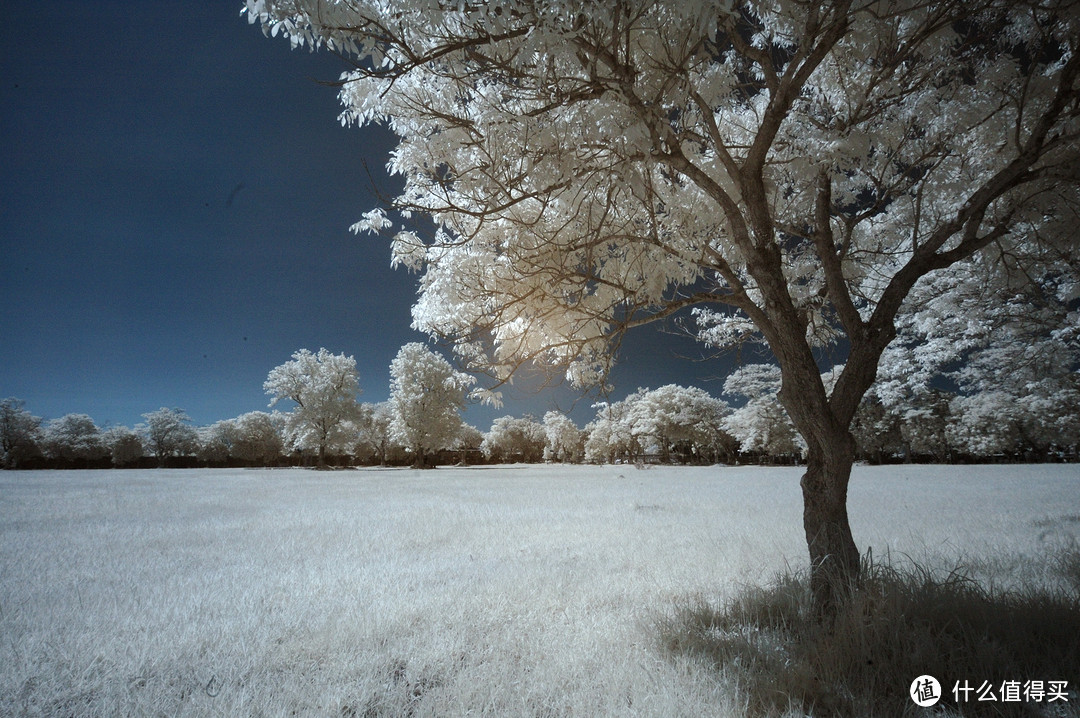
point(905, 620)
point(508, 591)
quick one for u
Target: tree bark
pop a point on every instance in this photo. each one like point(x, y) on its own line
point(834, 557)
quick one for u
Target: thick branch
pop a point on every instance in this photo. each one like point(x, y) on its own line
point(835, 283)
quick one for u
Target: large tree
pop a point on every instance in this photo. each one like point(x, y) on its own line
point(789, 170)
point(563, 440)
point(324, 387)
point(168, 432)
point(373, 431)
point(513, 439)
point(426, 398)
point(258, 437)
point(685, 419)
point(74, 437)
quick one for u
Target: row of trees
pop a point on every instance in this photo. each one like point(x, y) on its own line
point(421, 417)
point(681, 424)
point(166, 436)
point(1025, 418)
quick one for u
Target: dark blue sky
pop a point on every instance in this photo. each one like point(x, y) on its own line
point(174, 208)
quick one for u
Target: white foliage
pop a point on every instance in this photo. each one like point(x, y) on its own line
point(674, 415)
point(426, 398)
point(564, 441)
point(73, 436)
point(761, 424)
point(925, 426)
point(258, 437)
point(609, 435)
point(168, 432)
point(515, 439)
point(985, 424)
point(323, 386)
point(373, 437)
point(788, 169)
point(659, 421)
point(1008, 340)
point(19, 432)
point(469, 438)
point(216, 441)
point(373, 222)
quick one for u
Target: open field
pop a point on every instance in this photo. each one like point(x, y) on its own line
point(494, 590)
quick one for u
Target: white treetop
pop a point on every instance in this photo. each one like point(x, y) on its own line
point(515, 439)
point(169, 433)
point(258, 437)
point(124, 444)
point(610, 435)
point(324, 387)
point(585, 160)
point(73, 436)
point(563, 440)
point(785, 169)
point(469, 438)
point(673, 414)
point(426, 398)
point(216, 441)
point(669, 417)
point(761, 424)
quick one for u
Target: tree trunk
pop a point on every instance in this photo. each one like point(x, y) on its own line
point(834, 558)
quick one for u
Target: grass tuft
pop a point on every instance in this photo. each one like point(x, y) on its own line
point(1067, 565)
point(904, 621)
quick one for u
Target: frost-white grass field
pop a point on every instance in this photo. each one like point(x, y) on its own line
point(520, 590)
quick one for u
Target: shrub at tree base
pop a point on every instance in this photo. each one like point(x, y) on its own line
point(903, 623)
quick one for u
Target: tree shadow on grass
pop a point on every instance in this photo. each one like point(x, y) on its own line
point(904, 622)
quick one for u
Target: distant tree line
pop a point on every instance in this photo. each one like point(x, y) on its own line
point(421, 425)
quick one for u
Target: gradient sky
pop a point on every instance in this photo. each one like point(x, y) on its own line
point(175, 200)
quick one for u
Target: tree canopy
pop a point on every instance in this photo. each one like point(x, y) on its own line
point(426, 398)
point(169, 433)
point(796, 172)
point(323, 386)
